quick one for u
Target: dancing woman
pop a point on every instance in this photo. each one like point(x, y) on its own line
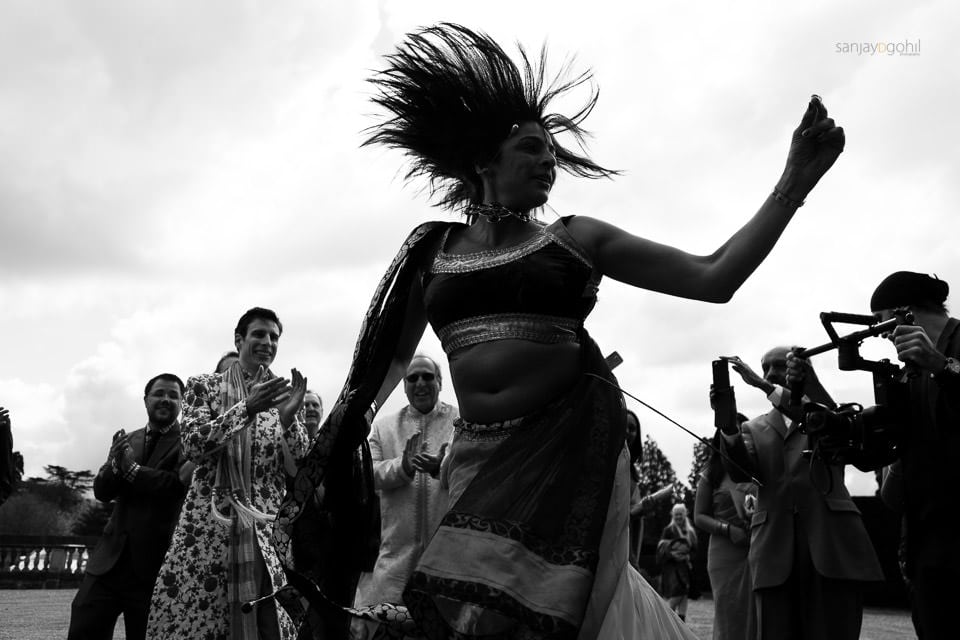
point(535, 543)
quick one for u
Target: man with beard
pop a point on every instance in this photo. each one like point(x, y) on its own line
point(143, 474)
point(809, 551)
point(407, 448)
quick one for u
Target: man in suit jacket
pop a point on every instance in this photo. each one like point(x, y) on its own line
point(146, 475)
point(809, 551)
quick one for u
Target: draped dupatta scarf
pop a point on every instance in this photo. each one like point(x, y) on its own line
point(346, 426)
point(233, 487)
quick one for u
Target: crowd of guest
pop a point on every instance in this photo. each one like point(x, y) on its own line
point(197, 489)
point(239, 514)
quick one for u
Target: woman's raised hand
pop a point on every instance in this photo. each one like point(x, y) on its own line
point(815, 146)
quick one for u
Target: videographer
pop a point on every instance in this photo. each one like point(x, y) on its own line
point(929, 446)
point(809, 551)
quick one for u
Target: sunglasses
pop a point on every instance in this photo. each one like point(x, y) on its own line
point(427, 377)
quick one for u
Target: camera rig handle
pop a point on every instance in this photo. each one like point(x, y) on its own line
point(848, 346)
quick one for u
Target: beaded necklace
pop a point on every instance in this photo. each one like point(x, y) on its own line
point(495, 212)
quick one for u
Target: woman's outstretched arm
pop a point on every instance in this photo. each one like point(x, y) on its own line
point(815, 146)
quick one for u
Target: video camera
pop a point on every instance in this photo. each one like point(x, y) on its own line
point(851, 434)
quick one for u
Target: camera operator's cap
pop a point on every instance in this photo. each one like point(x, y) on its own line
point(906, 288)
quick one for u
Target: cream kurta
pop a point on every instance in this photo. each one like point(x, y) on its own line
point(411, 508)
point(190, 595)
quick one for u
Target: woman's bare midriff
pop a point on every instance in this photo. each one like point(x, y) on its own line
point(511, 378)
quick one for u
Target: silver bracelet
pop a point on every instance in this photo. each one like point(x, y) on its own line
point(786, 200)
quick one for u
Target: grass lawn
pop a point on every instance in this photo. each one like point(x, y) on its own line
point(44, 614)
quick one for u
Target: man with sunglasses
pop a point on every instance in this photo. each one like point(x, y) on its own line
point(407, 449)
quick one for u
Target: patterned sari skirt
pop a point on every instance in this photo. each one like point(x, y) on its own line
point(535, 543)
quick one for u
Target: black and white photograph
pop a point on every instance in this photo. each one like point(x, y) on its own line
point(435, 320)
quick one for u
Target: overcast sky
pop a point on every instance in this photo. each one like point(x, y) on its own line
point(166, 165)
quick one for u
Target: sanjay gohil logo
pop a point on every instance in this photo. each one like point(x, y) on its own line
point(881, 48)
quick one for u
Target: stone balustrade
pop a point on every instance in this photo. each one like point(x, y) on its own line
point(50, 562)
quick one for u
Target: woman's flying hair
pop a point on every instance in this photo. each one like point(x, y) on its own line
point(452, 96)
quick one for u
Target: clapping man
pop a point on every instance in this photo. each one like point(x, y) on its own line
point(407, 449)
point(240, 427)
point(144, 474)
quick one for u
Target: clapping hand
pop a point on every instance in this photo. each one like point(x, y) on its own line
point(266, 394)
point(120, 451)
point(410, 451)
point(427, 463)
point(289, 403)
point(815, 146)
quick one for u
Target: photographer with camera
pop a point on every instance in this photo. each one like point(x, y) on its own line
point(924, 474)
point(809, 551)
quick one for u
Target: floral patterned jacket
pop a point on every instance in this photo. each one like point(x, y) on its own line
point(190, 595)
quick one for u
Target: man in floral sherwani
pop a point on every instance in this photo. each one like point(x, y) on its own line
point(241, 429)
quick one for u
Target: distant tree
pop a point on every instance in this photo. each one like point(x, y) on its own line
point(656, 472)
point(701, 455)
point(46, 506)
point(65, 487)
point(655, 469)
point(43, 489)
point(26, 513)
point(79, 481)
point(92, 518)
